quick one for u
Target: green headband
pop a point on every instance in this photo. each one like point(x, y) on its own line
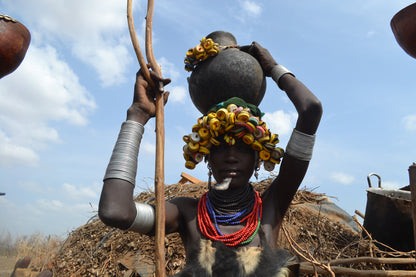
point(232, 119)
point(254, 110)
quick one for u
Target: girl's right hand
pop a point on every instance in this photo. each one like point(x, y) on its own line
point(144, 101)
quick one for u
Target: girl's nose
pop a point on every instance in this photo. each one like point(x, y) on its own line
point(231, 154)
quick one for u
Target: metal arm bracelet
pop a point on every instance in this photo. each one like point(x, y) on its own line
point(123, 161)
point(300, 145)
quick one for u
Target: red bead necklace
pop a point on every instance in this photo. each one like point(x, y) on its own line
point(241, 237)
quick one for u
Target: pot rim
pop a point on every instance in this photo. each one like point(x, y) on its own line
point(391, 193)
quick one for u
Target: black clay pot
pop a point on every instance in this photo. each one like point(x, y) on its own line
point(14, 42)
point(231, 73)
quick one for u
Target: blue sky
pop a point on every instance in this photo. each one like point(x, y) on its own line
point(61, 110)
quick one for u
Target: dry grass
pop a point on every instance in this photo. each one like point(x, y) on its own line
point(7, 245)
point(40, 248)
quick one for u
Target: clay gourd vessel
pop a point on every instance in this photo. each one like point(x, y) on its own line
point(14, 42)
point(403, 25)
point(231, 73)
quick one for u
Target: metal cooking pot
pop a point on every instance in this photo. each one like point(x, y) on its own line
point(231, 73)
point(388, 216)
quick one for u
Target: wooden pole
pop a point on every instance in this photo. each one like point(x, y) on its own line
point(160, 151)
point(308, 268)
point(160, 131)
point(136, 45)
point(412, 181)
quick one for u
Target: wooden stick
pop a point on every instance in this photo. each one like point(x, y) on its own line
point(160, 152)
point(188, 178)
point(306, 267)
point(149, 45)
point(160, 131)
point(373, 260)
point(366, 232)
point(136, 45)
point(326, 267)
point(357, 212)
point(412, 180)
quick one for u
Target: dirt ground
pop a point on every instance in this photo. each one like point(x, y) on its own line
point(6, 265)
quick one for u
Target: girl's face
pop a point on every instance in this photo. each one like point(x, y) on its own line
point(237, 161)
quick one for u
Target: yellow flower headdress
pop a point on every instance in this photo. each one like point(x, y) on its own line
point(232, 119)
point(200, 53)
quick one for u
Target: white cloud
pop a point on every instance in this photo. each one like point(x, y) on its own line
point(43, 89)
point(280, 122)
point(12, 154)
point(147, 147)
point(178, 94)
point(5, 203)
point(109, 60)
point(168, 69)
point(97, 34)
point(31, 186)
point(342, 178)
point(50, 205)
point(251, 8)
point(81, 192)
point(50, 90)
point(409, 122)
point(47, 215)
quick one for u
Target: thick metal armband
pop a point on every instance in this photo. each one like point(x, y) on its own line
point(278, 71)
point(300, 145)
point(145, 219)
point(123, 161)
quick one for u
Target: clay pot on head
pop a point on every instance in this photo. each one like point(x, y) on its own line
point(14, 42)
point(231, 73)
point(403, 25)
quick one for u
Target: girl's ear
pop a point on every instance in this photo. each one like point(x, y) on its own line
point(258, 163)
point(257, 160)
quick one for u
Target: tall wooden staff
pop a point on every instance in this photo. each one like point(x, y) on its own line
point(160, 130)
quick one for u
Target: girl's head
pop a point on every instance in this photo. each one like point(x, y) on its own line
point(230, 129)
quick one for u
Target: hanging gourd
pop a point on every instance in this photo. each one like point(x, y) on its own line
point(14, 42)
point(403, 25)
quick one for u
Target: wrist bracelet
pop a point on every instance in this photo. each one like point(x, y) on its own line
point(123, 161)
point(145, 219)
point(300, 145)
point(278, 71)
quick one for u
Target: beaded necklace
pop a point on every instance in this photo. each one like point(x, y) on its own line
point(226, 202)
point(247, 212)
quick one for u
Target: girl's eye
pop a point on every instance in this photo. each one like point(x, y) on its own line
point(244, 148)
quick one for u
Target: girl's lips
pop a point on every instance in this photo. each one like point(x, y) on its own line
point(230, 173)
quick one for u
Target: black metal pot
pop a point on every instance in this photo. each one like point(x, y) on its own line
point(388, 216)
point(231, 73)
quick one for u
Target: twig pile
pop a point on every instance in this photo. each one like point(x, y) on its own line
point(322, 244)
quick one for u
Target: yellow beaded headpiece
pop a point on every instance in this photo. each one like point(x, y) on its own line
point(200, 53)
point(232, 119)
